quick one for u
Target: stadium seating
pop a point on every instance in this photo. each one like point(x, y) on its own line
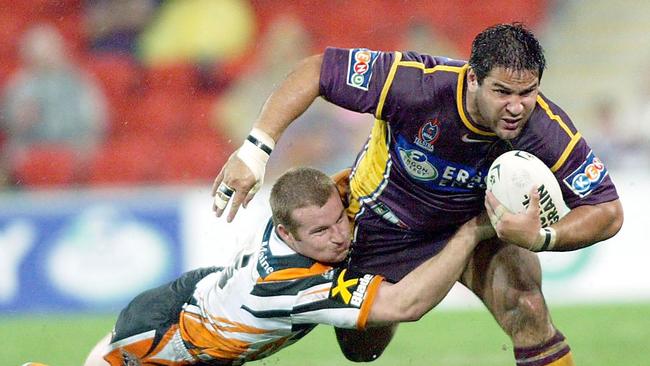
point(162, 127)
point(45, 166)
point(195, 158)
point(127, 160)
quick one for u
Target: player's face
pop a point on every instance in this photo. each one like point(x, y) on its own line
point(504, 101)
point(323, 232)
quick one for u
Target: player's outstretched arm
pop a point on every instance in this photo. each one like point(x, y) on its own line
point(243, 173)
point(423, 288)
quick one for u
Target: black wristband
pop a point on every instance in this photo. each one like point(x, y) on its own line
point(264, 147)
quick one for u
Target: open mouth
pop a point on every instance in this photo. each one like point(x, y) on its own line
point(510, 124)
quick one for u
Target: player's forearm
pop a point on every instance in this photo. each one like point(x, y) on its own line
point(427, 285)
point(294, 95)
point(587, 225)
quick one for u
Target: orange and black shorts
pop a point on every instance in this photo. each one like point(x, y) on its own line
point(146, 331)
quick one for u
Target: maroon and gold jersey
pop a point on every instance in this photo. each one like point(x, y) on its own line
point(423, 168)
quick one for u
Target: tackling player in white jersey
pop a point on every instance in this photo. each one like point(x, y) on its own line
point(276, 291)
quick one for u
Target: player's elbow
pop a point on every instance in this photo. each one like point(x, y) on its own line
point(614, 211)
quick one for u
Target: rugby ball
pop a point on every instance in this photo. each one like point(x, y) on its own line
point(512, 176)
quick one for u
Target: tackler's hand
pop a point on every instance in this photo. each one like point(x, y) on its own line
point(235, 182)
point(243, 174)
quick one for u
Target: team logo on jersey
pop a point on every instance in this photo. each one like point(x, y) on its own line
point(428, 135)
point(587, 177)
point(353, 290)
point(417, 164)
point(360, 67)
point(342, 288)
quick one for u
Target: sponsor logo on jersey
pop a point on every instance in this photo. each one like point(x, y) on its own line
point(428, 135)
point(352, 290)
point(437, 173)
point(360, 67)
point(417, 165)
point(587, 177)
point(342, 288)
point(360, 292)
point(263, 260)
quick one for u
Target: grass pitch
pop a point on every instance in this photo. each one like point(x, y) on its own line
point(602, 335)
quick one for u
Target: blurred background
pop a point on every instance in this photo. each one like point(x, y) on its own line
point(116, 115)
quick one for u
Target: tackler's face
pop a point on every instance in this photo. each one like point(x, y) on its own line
point(505, 100)
point(323, 233)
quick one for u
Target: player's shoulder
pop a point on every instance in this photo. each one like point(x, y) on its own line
point(429, 62)
point(548, 115)
point(548, 133)
point(433, 77)
point(430, 70)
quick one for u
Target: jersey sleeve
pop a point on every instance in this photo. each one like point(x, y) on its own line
point(354, 78)
point(583, 178)
point(344, 302)
point(393, 86)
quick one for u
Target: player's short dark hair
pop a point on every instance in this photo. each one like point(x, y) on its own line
point(298, 188)
point(510, 46)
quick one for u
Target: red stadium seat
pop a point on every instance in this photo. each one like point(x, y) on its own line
point(160, 114)
point(46, 165)
point(172, 78)
point(121, 79)
point(196, 158)
point(126, 160)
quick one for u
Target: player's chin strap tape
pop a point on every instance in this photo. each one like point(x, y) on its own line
point(255, 154)
point(545, 240)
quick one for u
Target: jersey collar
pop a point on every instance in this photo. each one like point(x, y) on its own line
point(461, 106)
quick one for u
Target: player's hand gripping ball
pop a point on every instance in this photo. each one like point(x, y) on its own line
point(511, 178)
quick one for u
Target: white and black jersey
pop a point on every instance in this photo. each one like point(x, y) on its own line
point(270, 298)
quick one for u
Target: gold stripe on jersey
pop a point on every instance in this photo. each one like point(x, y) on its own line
point(387, 84)
point(574, 137)
point(460, 85)
point(461, 71)
point(566, 152)
point(430, 70)
point(295, 273)
point(369, 175)
point(542, 103)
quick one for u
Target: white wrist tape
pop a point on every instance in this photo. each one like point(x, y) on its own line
point(255, 152)
point(545, 240)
